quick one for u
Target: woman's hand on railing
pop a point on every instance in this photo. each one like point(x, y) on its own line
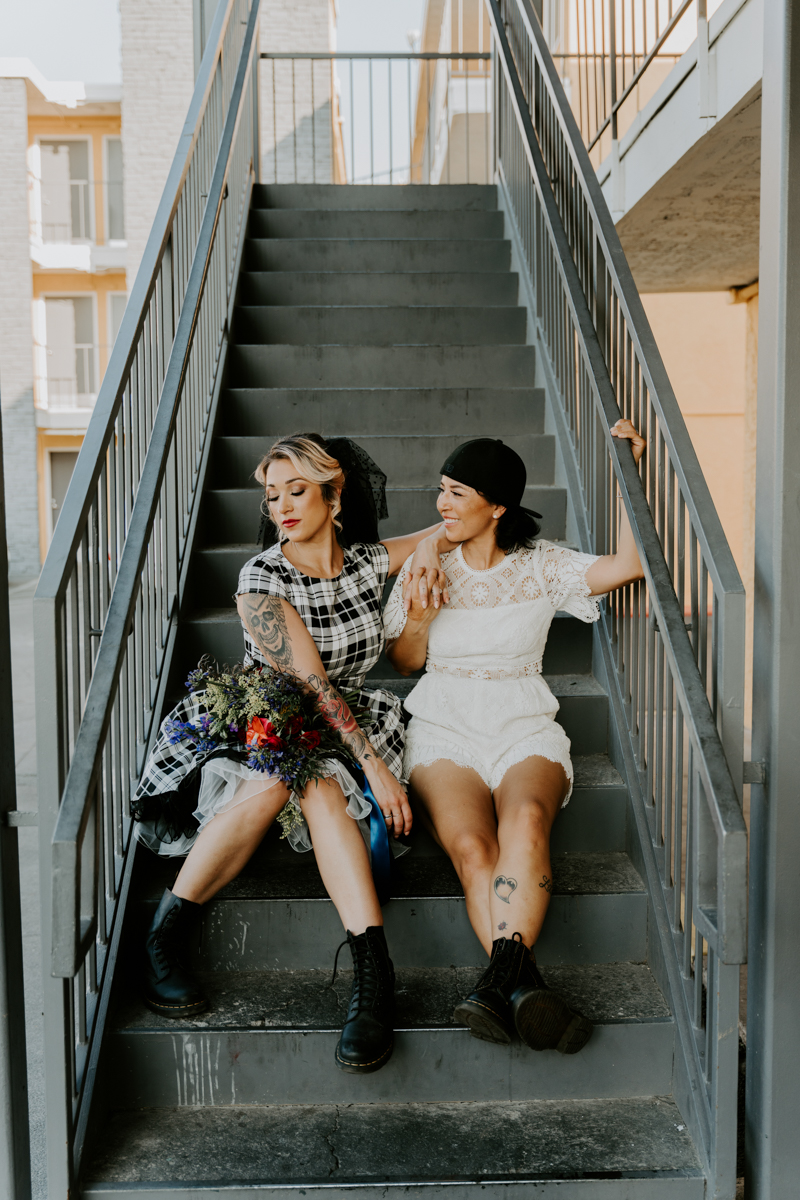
point(626, 429)
point(615, 570)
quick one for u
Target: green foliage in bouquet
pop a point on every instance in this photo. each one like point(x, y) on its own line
point(272, 722)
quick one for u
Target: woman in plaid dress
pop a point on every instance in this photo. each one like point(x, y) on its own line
point(312, 609)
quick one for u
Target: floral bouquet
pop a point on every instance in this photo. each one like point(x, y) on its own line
point(268, 720)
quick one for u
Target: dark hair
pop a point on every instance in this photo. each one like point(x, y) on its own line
point(515, 530)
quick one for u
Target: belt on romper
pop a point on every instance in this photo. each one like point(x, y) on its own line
point(525, 670)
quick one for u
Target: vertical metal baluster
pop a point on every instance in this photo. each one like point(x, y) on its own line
point(688, 884)
point(352, 128)
point(702, 623)
point(274, 66)
point(677, 823)
point(694, 594)
point(371, 139)
point(391, 149)
point(294, 126)
point(314, 125)
point(410, 125)
point(465, 70)
point(669, 762)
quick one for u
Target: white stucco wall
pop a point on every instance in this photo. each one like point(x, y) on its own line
point(16, 339)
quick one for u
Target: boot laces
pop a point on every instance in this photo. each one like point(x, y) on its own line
point(164, 947)
point(366, 978)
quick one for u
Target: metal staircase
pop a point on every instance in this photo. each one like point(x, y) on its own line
point(250, 1094)
point(410, 318)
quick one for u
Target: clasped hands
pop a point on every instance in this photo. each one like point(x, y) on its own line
point(425, 585)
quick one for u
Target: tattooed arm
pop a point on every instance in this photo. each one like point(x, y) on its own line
point(278, 631)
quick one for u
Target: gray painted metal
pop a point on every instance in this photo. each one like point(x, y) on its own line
point(15, 1166)
point(637, 375)
point(644, 709)
point(192, 258)
point(772, 1149)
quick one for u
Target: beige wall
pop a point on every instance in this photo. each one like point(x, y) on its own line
point(702, 339)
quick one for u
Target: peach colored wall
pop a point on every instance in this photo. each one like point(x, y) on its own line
point(702, 338)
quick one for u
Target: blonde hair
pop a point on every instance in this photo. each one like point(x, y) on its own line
point(308, 455)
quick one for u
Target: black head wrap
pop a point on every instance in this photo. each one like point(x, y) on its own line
point(363, 497)
point(492, 468)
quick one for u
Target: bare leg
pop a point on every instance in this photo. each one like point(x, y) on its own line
point(527, 802)
point(341, 856)
point(226, 844)
point(458, 805)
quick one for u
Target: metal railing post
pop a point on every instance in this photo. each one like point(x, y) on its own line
point(15, 1163)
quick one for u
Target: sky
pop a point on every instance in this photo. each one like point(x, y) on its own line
point(80, 39)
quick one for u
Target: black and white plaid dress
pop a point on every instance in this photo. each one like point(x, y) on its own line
point(343, 616)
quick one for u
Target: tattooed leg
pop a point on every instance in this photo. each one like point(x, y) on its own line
point(527, 803)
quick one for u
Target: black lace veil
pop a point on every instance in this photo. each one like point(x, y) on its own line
point(363, 496)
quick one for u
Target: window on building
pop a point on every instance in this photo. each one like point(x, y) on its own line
point(115, 213)
point(71, 352)
point(66, 191)
point(62, 464)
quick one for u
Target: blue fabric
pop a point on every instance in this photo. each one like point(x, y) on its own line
point(378, 840)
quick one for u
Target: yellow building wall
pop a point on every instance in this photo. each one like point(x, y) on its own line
point(94, 127)
point(75, 283)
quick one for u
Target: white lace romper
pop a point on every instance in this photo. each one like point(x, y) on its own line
point(482, 702)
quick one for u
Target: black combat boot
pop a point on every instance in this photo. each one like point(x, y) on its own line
point(367, 1038)
point(168, 988)
point(512, 994)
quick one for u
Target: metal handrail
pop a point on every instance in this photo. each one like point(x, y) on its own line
point(624, 332)
point(107, 603)
point(727, 933)
point(658, 679)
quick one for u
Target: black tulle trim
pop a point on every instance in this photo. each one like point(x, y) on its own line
point(171, 814)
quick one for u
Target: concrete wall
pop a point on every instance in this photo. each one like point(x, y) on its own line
point(157, 85)
point(16, 339)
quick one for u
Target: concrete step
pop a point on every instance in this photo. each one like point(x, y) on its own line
point(234, 514)
point(467, 197)
point(376, 254)
point(276, 915)
point(374, 223)
point(378, 325)
point(632, 1148)
point(272, 1035)
point(379, 287)
point(259, 411)
point(409, 461)
point(367, 366)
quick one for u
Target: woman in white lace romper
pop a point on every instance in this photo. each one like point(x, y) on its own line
point(487, 762)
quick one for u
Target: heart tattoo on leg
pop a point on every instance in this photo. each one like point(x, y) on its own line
point(503, 887)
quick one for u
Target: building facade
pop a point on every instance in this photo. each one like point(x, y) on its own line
point(63, 293)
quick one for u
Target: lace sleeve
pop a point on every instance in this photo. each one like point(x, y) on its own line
point(564, 579)
point(394, 615)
